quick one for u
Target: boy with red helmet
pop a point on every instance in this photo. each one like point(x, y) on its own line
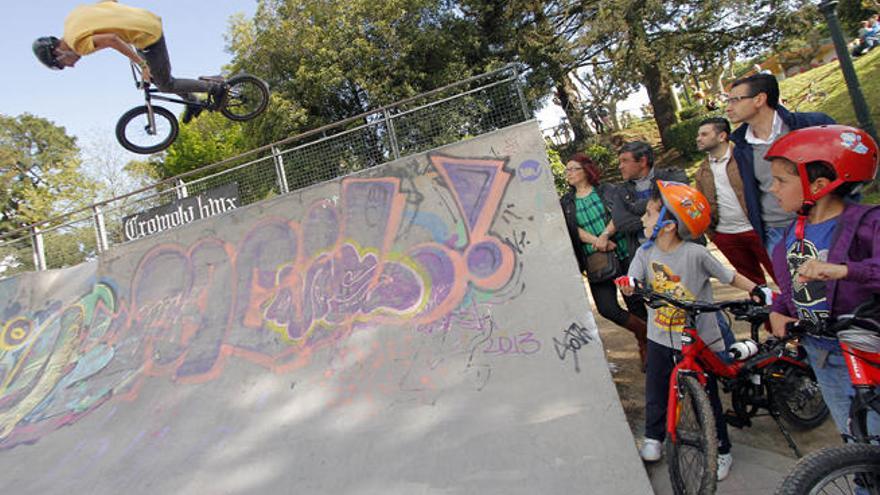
point(829, 260)
point(677, 213)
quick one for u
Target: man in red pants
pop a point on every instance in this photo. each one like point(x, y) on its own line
point(718, 178)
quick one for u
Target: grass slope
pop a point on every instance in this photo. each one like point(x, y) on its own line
point(829, 78)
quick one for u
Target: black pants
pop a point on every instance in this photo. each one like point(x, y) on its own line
point(635, 304)
point(659, 370)
point(605, 297)
point(156, 56)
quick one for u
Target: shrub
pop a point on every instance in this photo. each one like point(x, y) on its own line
point(558, 169)
point(604, 157)
point(682, 136)
point(692, 112)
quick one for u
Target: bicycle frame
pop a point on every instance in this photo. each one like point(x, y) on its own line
point(695, 354)
point(865, 377)
point(151, 93)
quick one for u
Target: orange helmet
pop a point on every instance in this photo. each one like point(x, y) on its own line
point(850, 151)
point(689, 207)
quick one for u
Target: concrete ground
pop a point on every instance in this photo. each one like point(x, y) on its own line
point(761, 456)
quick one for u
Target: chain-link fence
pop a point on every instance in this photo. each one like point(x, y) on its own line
point(465, 109)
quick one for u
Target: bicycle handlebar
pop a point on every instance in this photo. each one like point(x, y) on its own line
point(823, 328)
point(745, 309)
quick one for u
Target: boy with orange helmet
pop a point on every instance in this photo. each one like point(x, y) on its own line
point(677, 213)
point(829, 260)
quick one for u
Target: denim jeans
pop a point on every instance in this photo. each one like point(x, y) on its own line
point(726, 332)
point(834, 381)
point(157, 59)
point(772, 237)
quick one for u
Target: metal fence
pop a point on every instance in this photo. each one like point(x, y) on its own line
point(468, 108)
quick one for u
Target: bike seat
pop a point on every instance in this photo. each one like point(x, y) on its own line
point(212, 78)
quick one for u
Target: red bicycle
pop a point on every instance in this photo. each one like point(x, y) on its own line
point(772, 376)
point(854, 467)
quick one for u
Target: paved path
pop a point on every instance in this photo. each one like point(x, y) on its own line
point(761, 457)
point(754, 471)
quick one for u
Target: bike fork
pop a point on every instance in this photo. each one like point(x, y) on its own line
point(151, 120)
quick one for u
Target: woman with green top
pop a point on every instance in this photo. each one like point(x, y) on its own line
point(592, 231)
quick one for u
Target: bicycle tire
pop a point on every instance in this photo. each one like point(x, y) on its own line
point(826, 466)
point(798, 399)
point(699, 438)
point(246, 97)
point(164, 118)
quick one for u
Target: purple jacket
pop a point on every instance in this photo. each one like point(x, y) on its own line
point(856, 242)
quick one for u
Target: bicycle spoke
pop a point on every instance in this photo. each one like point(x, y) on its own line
point(849, 487)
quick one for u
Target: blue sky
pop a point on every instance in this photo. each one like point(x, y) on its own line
point(88, 99)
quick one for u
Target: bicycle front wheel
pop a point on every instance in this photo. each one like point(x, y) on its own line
point(692, 454)
point(134, 132)
point(850, 469)
point(246, 97)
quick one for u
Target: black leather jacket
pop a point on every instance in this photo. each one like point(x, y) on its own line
point(605, 191)
point(627, 210)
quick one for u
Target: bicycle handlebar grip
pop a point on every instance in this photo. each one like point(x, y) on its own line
point(801, 327)
point(763, 293)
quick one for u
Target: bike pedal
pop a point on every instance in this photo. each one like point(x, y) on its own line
point(736, 421)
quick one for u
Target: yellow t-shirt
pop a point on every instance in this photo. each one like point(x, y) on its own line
point(138, 27)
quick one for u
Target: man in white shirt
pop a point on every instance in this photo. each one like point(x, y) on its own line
point(718, 178)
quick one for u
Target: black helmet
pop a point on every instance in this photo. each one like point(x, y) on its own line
point(44, 49)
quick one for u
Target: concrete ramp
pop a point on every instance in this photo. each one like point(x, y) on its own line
point(418, 328)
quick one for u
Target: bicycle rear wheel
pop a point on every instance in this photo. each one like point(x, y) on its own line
point(133, 130)
point(797, 398)
point(246, 97)
point(850, 469)
point(693, 454)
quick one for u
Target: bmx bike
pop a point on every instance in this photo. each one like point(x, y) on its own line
point(150, 128)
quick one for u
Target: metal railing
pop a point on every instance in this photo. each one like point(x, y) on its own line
point(467, 108)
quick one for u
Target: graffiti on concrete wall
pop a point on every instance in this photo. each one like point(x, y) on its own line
point(285, 290)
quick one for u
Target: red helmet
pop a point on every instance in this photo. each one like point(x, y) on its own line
point(689, 207)
point(850, 151)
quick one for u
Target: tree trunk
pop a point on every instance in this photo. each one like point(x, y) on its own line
point(612, 112)
point(570, 102)
point(660, 93)
point(655, 79)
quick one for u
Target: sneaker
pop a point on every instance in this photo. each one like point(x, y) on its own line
point(651, 450)
point(217, 95)
point(724, 463)
point(191, 112)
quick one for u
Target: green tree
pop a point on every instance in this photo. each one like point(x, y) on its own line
point(40, 171)
point(654, 39)
point(327, 60)
point(206, 140)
